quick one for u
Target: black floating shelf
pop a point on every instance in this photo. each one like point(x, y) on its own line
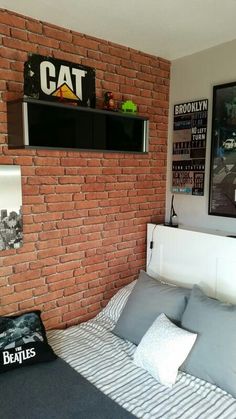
point(39, 124)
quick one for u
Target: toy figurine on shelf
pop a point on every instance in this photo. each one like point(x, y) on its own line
point(109, 102)
point(129, 106)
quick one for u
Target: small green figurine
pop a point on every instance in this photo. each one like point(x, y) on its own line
point(129, 106)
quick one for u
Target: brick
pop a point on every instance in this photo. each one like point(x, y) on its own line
point(73, 49)
point(94, 64)
point(7, 290)
point(85, 42)
point(75, 305)
point(47, 244)
point(48, 270)
point(34, 26)
point(16, 297)
point(4, 63)
point(53, 313)
point(61, 55)
point(49, 235)
point(74, 161)
point(68, 265)
point(4, 29)
point(59, 276)
point(76, 289)
point(69, 299)
point(75, 214)
point(12, 20)
point(9, 309)
point(21, 267)
point(86, 204)
point(61, 35)
point(73, 315)
point(58, 198)
point(50, 153)
point(69, 223)
point(10, 260)
point(6, 271)
point(30, 190)
point(109, 85)
point(40, 290)
point(95, 55)
point(31, 228)
point(12, 75)
point(19, 45)
point(53, 296)
point(36, 283)
point(47, 51)
point(42, 180)
point(67, 188)
point(72, 256)
point(49, 305)
point(42, 254)
point(96, 267)
point(71, 179)
point(27, 305)
point(35, 39)
point(49, 161)
point(64, 206)
point(49, 171)
point(47, 189)
point(39, 218)
point(19, 34)
point(61, 284)
point(111, 60)
point(24, 275)
point(120, 52)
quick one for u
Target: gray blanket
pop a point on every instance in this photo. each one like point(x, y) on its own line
point(54, 390)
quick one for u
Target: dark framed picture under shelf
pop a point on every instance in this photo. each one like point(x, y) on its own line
point(40, 124)
point(222, 191)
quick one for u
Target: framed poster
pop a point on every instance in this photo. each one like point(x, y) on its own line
point(11, 227)
point(222, 193)
point(189, 147)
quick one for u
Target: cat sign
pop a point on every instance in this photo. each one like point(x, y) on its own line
point(47, 78)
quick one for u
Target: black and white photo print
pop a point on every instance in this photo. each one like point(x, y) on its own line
point(11, 226)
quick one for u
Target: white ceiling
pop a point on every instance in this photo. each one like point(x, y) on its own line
point(166, 28)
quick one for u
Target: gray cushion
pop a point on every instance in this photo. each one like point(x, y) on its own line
point(148, 299)
point(213, 357)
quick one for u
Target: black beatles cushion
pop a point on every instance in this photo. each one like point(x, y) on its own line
point(23, 341)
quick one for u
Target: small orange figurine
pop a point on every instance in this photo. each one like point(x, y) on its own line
point(109, 102)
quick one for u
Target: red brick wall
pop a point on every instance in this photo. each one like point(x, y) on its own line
point(85, 213)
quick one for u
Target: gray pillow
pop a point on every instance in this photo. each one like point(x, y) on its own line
point(148, 299)
point(213, 357)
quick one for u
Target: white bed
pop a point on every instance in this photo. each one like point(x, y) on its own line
point(186, 257)
point(106, 360)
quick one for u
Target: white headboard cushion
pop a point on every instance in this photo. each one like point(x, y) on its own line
point(186, 257)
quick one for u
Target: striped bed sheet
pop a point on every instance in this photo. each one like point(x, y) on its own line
point(106, 361)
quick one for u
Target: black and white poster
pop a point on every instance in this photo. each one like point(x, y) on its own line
point(222, 195)
point(11, 226)
point(189, 147)
point(50, 79)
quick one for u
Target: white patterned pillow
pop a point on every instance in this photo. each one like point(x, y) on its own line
point(117, 302)
point(162, 350)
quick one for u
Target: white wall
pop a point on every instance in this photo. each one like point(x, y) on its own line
point(193, 78)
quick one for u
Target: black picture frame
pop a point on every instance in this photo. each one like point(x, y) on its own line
point(222, 187)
